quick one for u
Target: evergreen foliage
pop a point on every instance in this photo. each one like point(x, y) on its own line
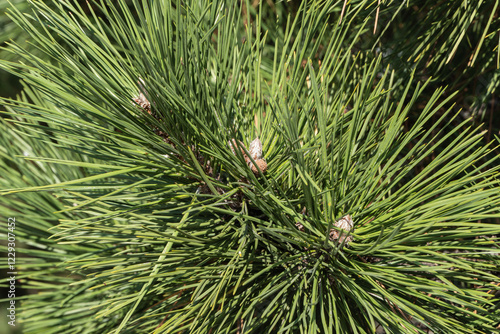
point(144, 205)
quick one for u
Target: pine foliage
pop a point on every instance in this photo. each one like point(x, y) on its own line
point(144, 204)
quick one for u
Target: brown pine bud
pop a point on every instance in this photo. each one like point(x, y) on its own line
point(234, 146)
point(346, 224)
point(262, 164)
point(143, 102)
point(255, 152)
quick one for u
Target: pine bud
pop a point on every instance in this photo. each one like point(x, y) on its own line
point(255, 149)
point(255, 152)
point(346, 224)
point(261, 163)
point(143, 102)
point(234, 146)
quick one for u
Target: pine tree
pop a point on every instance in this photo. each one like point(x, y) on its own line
point(208, 167)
